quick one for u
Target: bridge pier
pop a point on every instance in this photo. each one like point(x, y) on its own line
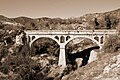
point(62, 56)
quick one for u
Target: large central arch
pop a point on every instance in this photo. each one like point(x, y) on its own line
point(95, 42)
point(71, 57)
point(51, 52)
point(87, 37)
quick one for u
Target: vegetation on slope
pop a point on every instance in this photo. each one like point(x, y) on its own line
point(107, 20)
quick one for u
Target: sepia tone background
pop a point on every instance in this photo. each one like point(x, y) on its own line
point(55, 8)
point(85, 61)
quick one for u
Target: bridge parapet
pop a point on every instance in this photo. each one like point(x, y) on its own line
point(72, 32)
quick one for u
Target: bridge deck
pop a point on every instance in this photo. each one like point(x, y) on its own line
point(73, 32)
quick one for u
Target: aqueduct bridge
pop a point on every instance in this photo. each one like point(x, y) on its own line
point(62, 37)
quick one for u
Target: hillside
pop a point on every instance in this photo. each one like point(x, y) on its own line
point(107, 20)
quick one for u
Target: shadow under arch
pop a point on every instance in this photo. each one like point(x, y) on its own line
point(84, 54)
point(87, 37)
point(94, 42)
point(43, 45)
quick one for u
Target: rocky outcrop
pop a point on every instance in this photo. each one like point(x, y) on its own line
point(113, 65)
point(19, 39)
point(79, 62)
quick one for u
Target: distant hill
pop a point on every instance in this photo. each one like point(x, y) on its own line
point(107, 20)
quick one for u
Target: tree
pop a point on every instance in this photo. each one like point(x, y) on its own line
point(112, 43)
point(108, 22)
point(96, 23)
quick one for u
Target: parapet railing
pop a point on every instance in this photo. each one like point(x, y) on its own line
point(71, 31)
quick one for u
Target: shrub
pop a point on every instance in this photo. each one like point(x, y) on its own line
point(112, 44)
point(3, 51)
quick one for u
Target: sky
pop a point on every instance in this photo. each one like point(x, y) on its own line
point(55, 8)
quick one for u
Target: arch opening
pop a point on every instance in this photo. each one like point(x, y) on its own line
point(101, 40)
point(96, 38)
point(62, 39)
point(67, 38)
point(46, 47)
point(33, 37)
point(56, 37)
point(78, 50)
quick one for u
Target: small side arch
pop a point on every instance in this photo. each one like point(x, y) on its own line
point(67, 38)
point(96, 38)
point(62, 39)
point(33, 37)
point(56, 37)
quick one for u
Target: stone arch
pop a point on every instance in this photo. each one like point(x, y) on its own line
point(49, 49)
point(36, 38)
point(94, 40)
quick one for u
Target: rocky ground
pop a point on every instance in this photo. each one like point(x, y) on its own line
point(105, 68)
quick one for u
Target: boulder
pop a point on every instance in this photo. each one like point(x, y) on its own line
point(79, 62)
